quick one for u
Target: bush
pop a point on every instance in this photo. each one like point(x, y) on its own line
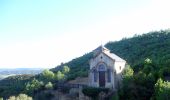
point(20, 97)
point(34, 86)
point(94, 92)
point(115, 97)
point(162, 90)
point(48, 75)
point(49, 85)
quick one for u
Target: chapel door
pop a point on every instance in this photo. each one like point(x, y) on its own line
point(102, 78)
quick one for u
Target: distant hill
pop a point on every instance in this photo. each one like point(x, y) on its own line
point(19, 71)
point(153, 45)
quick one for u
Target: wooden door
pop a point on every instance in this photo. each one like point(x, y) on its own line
point(102, 78)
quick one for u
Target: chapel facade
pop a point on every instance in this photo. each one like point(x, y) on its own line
point(105, 69)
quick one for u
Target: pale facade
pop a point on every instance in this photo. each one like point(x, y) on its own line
point(105, 69)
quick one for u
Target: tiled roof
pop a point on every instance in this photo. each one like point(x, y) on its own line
point(102, 49)
point(114, 57)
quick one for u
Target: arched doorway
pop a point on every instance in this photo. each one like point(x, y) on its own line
point(102, 70)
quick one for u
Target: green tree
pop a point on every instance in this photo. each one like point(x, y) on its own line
point(162, 90)
point(49, 85)
point(34, 85)
point(128, 72)
point(124, 92)
point(59, 75)
point(148, 61)
point(48, 75)
point(65, 70)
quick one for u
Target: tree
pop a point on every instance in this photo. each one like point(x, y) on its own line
point(124, 92)
point(20, 97)
point(48, 75)
point(65, 70)
point(59, 75)
point(128, 72)
point(34, 85)
point(162, 90)
point(49, 85)
point(148, 61)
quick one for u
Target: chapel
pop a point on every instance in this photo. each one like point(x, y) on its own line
point(105, 69)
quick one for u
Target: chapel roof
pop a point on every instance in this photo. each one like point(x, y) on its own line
point(114, 57)
point(102, 49)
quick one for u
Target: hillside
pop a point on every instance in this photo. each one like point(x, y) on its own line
point(147, 54)
point(153, 45)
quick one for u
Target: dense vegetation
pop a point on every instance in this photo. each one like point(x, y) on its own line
point(32, 85)
point(13, 85)
point(79, 66)
point(147, 78)
point(94, 92)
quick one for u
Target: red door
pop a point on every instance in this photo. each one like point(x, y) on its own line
point(102, 78)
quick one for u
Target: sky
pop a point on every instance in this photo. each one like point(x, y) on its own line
point(45, 33)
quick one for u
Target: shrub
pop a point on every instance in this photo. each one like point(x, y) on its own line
point(20, 97)
point(94, 92)
point(49, 85)
point(162, 90)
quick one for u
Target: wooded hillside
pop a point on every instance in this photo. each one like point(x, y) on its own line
point(152, 45)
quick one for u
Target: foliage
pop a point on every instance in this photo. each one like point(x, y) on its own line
point(65, 70)
point(128, 72)
point(59, 75)
point(1, 98)
point(78, 67)
point(153, 45)
point(33, 86)
point(138, 86)
point(127, 83)
point(162, 90)
point(49, 85)
point(148, 61)
point(164, 73)
point(13, 85)
point(115, 96)
point(94, 92)
point(48, 75)
point(20, 97)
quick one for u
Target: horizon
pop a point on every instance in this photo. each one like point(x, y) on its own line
point(44, 34)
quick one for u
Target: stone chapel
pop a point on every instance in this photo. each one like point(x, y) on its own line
point(105, 69)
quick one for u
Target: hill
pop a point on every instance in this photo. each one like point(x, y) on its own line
point(147, 54)
point(153, 45)
point(18, 71)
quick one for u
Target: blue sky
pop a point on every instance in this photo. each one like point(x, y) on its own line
point(44, 33)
